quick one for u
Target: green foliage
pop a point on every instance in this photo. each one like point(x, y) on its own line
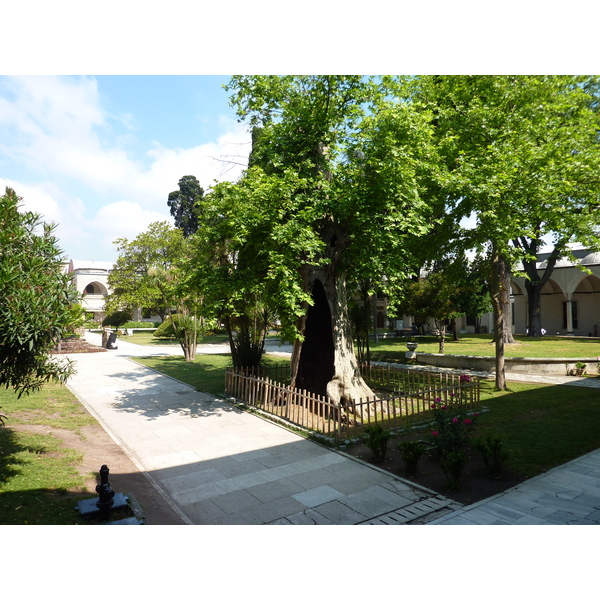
point(493, 453)
point(165, 329)
point(36, 299)
point(139, 325)
point(411, 452)
point(332, 186)
point(132, 281)
point(377, 441)
point(116, 319)
point(453, 465)
point(185, 204)
point(453, 428)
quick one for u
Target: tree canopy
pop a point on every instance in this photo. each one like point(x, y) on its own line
point(36, 297)
point(133, 286)
point(331, 196)
point(520, 156)
point(185, 204)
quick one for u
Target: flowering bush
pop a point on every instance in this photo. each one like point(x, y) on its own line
point(452, 427)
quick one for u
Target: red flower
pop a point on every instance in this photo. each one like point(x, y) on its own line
point(467, 422)
point(434, 433)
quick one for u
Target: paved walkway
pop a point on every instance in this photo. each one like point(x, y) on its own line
point(216, 464)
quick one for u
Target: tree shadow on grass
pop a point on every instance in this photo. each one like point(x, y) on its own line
point(10, 447)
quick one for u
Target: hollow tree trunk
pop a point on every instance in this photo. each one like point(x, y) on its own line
point(325, 362)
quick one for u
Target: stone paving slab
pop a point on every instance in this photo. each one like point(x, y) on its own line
point(216, 464)
point(557, 497)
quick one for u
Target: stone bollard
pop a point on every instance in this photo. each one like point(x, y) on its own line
point(105, 493)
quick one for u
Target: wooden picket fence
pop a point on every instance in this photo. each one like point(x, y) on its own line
point(410, 403)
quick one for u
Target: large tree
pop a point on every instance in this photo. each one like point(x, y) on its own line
point(185, 204)
point(36, 299)
point(330, 199)
point(522, 160)
point(133, 285)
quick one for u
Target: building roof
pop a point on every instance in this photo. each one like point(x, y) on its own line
point(89, 265)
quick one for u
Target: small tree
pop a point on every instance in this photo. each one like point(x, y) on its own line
point(433, 297)
point(35, 299)
point(159, 247)
point(116, 319)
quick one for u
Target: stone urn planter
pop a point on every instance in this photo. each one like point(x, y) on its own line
point(412, 346)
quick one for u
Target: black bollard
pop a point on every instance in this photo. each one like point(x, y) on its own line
point(105, 493)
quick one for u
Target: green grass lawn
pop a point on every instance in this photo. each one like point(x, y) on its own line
point(482, 345)
point(206, 373)
point(146, 338)
point(39, 480)
point(543, 425)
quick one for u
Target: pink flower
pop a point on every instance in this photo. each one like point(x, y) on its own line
point(464, 379)
point(475, 414)
point(455, 420)
point(434, 433)
point(438, 400)
point(467, 422)
point(444, 407)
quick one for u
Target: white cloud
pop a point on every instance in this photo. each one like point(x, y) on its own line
point(121, 219)
point(59, 138)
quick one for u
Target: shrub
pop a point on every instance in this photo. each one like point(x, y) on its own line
point(453, 427)
point(377, 441)
point(493, 454)
point(116, 319)
point(166, 329)
point(138, 325)
point(411, 453)
point(453, 464)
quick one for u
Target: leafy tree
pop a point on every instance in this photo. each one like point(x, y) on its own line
point(230, 265)
point(36, 297)
point(116, 319)
point(132, 285)
point(434, 297)
point(187, 322)
point(521, 157)
point(331, 198)
point(185, 204)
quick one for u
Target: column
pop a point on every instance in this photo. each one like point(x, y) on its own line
point(569, 309)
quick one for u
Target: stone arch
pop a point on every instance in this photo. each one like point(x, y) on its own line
point(552, 287)
point(586, 306)
point(95, 288)
point(588, 285)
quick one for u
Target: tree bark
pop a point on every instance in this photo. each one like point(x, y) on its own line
point(325, 362)
point(498, 297)
point(534, 285)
